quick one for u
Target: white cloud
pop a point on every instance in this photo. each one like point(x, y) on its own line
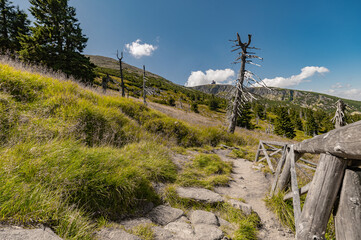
point(138, 50)
point(346, 92)
point(294, 80)
point(200, 78)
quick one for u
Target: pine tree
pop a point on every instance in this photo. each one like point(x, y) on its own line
point(296, 120)
point(13, 24)
point(245, 117)
point(57, 40)
point(283, 124)
point(311, 127)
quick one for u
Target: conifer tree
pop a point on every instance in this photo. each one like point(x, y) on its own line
point(57, 40)
point(283, 124)
point(13, 24)
point(296, 120)
point(311, 127)
point(245, 117)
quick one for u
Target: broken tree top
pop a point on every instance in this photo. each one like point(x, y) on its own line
point(344, 142)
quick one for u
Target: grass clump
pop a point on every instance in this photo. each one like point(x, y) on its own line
point(245, 152)
point(67, 185)
point(143, 231)
point(205, 170)
point(282, 209)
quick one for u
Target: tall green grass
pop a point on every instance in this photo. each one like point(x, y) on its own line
point(71, 156)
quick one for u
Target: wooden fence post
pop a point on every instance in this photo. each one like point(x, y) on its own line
point(348, 217)
point(321, 198)
point(286, 173)
point(294, 186)
point(279, 168)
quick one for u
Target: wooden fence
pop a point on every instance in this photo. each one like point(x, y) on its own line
point(336, 184)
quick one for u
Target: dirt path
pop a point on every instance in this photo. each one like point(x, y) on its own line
point(252, 186)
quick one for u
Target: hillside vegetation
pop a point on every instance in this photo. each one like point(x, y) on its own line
point(72, 157)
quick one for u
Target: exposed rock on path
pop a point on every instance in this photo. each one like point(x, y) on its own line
point(199, 194)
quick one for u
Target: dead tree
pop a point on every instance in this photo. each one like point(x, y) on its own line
point(121, 73)
point(144, 91)
point(242, 95)
point(339, 118)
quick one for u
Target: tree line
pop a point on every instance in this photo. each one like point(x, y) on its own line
point(54, 39)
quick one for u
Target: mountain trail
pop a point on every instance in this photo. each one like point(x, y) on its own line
point(252, 185)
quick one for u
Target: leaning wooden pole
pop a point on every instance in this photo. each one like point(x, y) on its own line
point(348, 216)
point(321, 197)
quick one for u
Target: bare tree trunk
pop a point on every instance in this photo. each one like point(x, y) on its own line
point(121, 74)
point(238, 95)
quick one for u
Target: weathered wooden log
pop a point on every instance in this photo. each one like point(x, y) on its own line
point(274, 153)
point(267, 157)
point(276, 143)
point(306, 166)
point(278, 170)
point(344, 142)
point(348, 217)
point(309, 162)
point(286, 175)
point(258, 151)
point(321, 198)
point(294, 185)
point(301, 191)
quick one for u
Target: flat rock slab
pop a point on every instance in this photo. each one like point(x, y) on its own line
point(130, 223)
point(10, 233)
point(163, 214)
point(204, 217)
point(180, 230)
point(244, 207)
point(207, 232)
point(199, 194)
point(115, 234)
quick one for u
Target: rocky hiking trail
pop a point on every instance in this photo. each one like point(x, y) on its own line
point(248, 182)
point(251, 184)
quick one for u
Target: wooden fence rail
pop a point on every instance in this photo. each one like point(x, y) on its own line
point(337, 173)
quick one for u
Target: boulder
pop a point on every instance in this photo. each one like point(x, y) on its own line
point(17, 233)
point(199, 194)
point(162, 215)
point(207, 232)
point(204, 217)
point(181, 230)
point(130, 223)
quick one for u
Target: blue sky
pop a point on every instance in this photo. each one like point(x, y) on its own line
point(306, 45)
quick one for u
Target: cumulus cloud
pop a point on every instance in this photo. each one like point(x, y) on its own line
point(138, 49)
point(294, 80)
point(200, 78)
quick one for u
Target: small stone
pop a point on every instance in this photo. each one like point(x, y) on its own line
point(244, 207)
point(207, 232)
point(204, 217)
point(115, 234)
point(199, 194)
point(180, 230)
point(163, 214)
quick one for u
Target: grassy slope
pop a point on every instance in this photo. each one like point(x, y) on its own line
point(72, 157)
